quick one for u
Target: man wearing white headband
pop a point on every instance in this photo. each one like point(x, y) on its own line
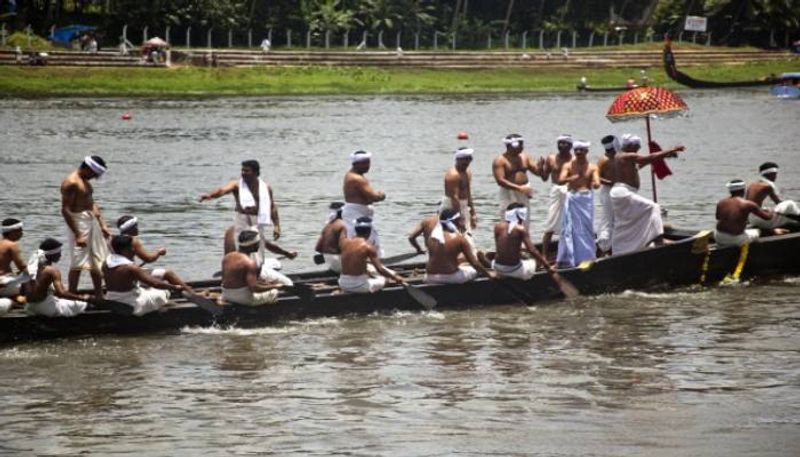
point(637, 220)
point(328, 241)
point(558, 190)
point(732, 214)
point(576, 241)
point(356, 252)
point(86, 229)
point(510, 235)
point(10, 253)
point(786, 213)
point(604, 222)
point(359, 195)
point(458, 188)
point(240, 275)
point(445, 246)
point(45, 293)
point(129, 225)
point(510, 170)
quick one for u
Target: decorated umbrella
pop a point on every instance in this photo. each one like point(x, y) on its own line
point(155, 42)
point(643, 102)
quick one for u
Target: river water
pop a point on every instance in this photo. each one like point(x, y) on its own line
point(690, 372)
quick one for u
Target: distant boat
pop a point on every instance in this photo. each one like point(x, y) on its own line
point(789, 88)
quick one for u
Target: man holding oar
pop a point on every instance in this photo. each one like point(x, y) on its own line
point(732, 213)
point(510, 171)
point(445, 246)
point(328, 241)
point(45, 293)
point(359, 196)
point(240, 275)
point(786, 213)
point(129, 225)
point(356, 252)
point(10, 254)
point(558, 189)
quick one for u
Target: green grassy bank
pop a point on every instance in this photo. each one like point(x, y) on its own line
point(192, 81)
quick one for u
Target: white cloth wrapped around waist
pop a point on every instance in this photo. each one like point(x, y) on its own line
point(724, 239)
point(786, 207)
point(508, 196)
point(96, 250)
point(524, 270)
point(464, 273)
point(334, 262)
point(351, 212)
point(361, 284)
point(245, 296)
point(558, 193)
point(9, 285)
point(604, 220)
point(271, 275)
point(637, 220)
point(53, 306)
point(142, 300)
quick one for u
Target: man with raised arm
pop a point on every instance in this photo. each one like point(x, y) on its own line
point(604, 222)
point(356, 252)
point(129, 225)
point(86, 230)
point(45, 293)
point(240, 275)
point(359, 196)
point(637, 220)
point(732, 214)
point(510, 170)
point(576, 242)
point(446, 245)
point(328, 241)
point(10, 254)
point(558, 189)
point(786, 213)
point(510, 235)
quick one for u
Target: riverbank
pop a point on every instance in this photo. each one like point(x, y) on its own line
point(194, 81)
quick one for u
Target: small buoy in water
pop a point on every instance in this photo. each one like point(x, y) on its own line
point(463, 136)
point(126, 117)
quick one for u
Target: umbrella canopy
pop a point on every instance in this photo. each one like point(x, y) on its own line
point(155, 42)
point(643, 101)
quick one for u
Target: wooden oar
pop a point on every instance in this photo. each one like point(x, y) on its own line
point(522, 298)
point(423, 298)
point(319, 259)
point(566, 287)
point(207, 304)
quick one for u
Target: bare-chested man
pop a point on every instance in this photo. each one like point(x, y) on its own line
point(786, 213)
point(458, 188)
point(510, 235)
point(604, 222)
point(129, 225)
point(424, 228)
point(86, 229)
point(328, 241)
point(355, 254)
point(124, 278)
point(240, 275)
point(576, 242)
point(255, 206)
point(510, 171)
point(732, 214)
point(637, 220)
point(45, 293)
point(10, 254)
point(359, 196)
point(445, 246)
point(558, 189)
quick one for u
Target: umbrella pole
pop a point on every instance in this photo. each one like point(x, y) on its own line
point(652, 173)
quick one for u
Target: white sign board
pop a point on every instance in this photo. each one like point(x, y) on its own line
point(695, 24)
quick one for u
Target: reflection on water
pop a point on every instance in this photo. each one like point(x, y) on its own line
point(688, 372)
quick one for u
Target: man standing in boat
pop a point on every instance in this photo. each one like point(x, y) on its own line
point(10, 254)
point(786, 213)
point(558, 189)
point(359, 196)
point(510, 170)
point(45, 292)
point(328, 241)
point(732, 214)
point(458, 189)
point(86, 230)
point(510, 235)
point(637, 220)
point(240, 274)
point(604, 226)
point(446, 245)
point(356, 252)
point(576, 242)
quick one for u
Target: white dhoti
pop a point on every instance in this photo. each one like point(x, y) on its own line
point(9, 285)
point(637, 220)
point(524, 270)
point(334, 262)
point(5, 305)
point(242, 222)
point(555, 211)
point(96, 250)
point(576, 240)
point(724, 239)
point(53, 306)
point(142, 300)
point(351, 212)
point(245, 296)
point(269, 273)
point(604, 220)
point(464, 273)
point(361, 284)
point(508, 196)
point(778, 220)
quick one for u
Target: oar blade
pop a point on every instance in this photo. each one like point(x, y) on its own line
point(207, 304)
point(398, 258)
point(566, 287)
point(427, 301)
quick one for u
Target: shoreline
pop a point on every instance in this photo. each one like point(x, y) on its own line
point(194, 82)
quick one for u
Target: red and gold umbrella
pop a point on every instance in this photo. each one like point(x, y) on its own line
point(643, 102)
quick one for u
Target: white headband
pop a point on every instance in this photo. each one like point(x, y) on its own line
point(11, 228)
point(252, 242)
point(438, 231)
point(514, 216)
point(613, 144)
point(736, 185)
point(95, 167)
point(769, 170)
point(630, 139)
point(360, 157)
point(514, 141)
point(581, 144)
point(463, 153)
point(127, 225)
point(565, 137)
point(52, 251)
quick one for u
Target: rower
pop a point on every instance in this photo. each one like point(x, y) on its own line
point(10, 253)
point(129, 225)
point(458, 189)
point(637, 220)
point(356, 252)
point(786, 213)
point(359, 196)
point(123, 278)
point(732, 214)
point(510, 235)
point(45, 293)
point(553, 165)
point(424, 228)
point(240, 275)
point(86, 228)
point(328, 241)
point(445, 245)
point(576, 241)
point(605, 221)
point(510, 172)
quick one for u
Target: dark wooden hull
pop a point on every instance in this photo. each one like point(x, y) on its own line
point(682, 78)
